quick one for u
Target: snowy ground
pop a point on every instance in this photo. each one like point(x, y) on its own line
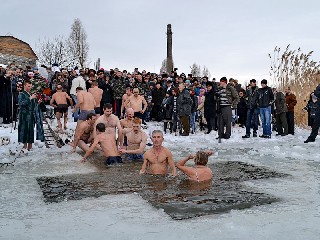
point(24, 214)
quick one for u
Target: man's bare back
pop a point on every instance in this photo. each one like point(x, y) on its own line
point(60, 98)
point(97, 95)
point(86, 101)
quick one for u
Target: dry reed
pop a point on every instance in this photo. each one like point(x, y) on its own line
point(295, 69)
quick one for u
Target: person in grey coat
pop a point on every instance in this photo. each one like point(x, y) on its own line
point(184, 104)
point(280, 111)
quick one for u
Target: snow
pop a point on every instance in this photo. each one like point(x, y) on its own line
point(24, 214)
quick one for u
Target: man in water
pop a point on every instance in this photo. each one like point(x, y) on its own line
point(110, 121)
point(127, 121)
point(158, 158)
point(107, 144)
point(84, 133)
point(59, 102)
point(136, 141)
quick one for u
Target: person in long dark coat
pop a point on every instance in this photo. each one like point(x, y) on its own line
point(6, 97)
point(210, 107)
point(29, 116)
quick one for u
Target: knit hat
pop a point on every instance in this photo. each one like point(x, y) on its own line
point(224, 79)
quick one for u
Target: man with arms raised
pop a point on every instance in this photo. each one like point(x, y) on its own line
point(107, 144)
point(59, 102)
point(84, 134)
point(86, 103)
point(158, 157)
point(136, 102)
point(136, 141)
point(110, 121)
point(97, 95)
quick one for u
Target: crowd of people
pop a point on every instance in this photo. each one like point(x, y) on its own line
point(117, 103)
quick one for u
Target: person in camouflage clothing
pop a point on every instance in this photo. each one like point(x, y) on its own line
point(119, 88)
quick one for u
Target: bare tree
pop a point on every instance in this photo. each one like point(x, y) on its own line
point(206, 72)
point(77, 43)
point(195, 70)
point(53, 51)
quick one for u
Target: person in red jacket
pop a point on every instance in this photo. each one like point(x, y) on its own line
point(291, 101)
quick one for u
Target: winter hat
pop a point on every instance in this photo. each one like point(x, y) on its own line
point(253, 80)
point(224, 79)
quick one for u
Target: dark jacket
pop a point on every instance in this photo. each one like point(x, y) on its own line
point(157, 96)
point(265, 97)
point(280, 103)
point(210, 104)
point(184, 103)
point(107, 95)
point(194, 106)
point(252, 98)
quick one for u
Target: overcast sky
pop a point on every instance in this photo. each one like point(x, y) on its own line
point(230, 38)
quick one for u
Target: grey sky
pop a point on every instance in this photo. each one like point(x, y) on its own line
point(231, 38)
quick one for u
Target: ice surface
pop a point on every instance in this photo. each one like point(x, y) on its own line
point(25, 215)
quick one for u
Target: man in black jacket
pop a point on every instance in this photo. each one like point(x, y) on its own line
point(265, 99)
point(316, 122)
point(210, 106)
point(253, 109)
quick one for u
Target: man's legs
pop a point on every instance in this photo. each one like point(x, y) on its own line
point(315, 126)
point(185, 124)
point(263, 120)
point(227, 113)
point(58, 116)
point(290, 120)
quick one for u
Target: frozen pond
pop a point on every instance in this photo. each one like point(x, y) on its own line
point(24, 213)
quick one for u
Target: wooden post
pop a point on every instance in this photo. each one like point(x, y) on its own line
point(169, 49)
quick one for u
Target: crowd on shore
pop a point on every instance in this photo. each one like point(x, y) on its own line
point(110, 100)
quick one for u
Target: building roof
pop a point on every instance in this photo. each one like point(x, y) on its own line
point(14, 46)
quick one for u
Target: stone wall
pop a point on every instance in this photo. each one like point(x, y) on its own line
point(18, 60)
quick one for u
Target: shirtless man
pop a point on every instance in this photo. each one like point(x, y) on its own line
point(158, 157)
point(59, 102)
point(84, 134)
point(127, 121)
point(110, 121)
point(136, 141)
point(107, 144)
point(86, 103)
point(124, 99)
point(97, 95)
point(136, 102)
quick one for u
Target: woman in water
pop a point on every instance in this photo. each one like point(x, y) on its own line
point(200, 172)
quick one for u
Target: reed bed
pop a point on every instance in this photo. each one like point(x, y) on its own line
point(295, 69)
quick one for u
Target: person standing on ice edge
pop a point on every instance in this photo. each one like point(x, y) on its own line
point(316, 122)
point(29, 115)
point(265, 98)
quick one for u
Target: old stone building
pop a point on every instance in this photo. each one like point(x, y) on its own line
point(13, 50)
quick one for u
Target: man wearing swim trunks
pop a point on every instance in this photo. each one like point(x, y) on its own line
point(86, 103)
point(59, 102)
point(107, 144)
point(158, 158)
point(97, 95)
point(136, 141)
point(137, 103)
point(84, 133)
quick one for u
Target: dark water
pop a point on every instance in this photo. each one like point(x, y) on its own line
point(179, 198)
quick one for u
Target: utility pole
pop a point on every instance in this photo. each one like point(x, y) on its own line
point(169, 49)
